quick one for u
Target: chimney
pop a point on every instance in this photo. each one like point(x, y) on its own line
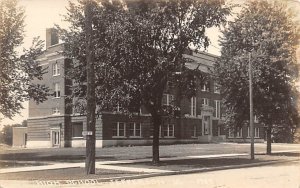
point(51, 37)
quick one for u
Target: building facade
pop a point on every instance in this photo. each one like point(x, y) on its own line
point(53, 124)
point(19, 138)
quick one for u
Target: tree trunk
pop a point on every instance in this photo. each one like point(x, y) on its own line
point(91, 102)
point(269, 140)
point(156, 119)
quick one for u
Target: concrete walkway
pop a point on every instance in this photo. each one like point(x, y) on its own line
point(111, 165)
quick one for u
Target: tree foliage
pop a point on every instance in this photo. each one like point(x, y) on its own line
point(139, 46)
point(6, 134)
point(160, 33)
point(17, 71)
point(265, 34)
point(107, 17)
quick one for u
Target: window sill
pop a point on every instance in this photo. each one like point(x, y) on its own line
point(118, 136)
point(55, 75)
point(192, 116)
point(77, 138)
point(135, 137)
point(169, 136)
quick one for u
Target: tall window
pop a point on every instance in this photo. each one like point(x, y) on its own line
point(77, 128)
point(55, 69)
point(119, 129)
point(255, 119)
point(119, 107)
point(217, 113)
point(230, 133)
point(256, 132)
point(248, 132)
point(135, 129)
point(205, 87)
point(168, 99)
point(205, 102)
point(239, 133)
point(169, 130)
point(56, 90)
point(216, 87)
point(193, 106)
point(194, 131)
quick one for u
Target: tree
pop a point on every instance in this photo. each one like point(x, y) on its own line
point(138, 46)
point(157, 34)
point(6, 134)
point(268, 33)
point(17, 71)
point(283, 135)
point(24, 123)
point(88, 43)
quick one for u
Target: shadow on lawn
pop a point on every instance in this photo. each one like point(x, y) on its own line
point(206, 162)
point(47, 157)
point(190, 164)
point(286, 154)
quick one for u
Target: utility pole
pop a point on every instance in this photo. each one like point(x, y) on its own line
point(91, 104)
point(251, 107)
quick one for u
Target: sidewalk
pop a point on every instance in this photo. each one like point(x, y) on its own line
point(64, 167)
point(72, 174)
point(112, 165)
point(107, 164)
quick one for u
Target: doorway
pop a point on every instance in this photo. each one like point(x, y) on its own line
point(55, 138)
point(206, 125)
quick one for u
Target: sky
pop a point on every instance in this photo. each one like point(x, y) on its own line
point(42, 14)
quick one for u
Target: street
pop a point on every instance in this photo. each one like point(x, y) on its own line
point(276, 176)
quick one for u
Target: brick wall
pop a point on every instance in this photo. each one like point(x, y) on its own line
point(46, 108)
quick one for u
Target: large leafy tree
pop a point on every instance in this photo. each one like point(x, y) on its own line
point(264, 34)
point(89, 43)
point(138, 47)
point(106, 22)
point(6, 134)
point(157, 35)
point(17, 71)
